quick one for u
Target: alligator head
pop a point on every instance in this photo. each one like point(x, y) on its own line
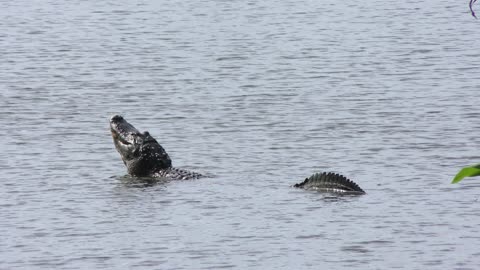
point(140, 152)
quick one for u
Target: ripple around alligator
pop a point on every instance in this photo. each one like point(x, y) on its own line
point(261, 95)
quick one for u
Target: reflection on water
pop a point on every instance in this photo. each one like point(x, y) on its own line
point(140, 182)
point(259, 94)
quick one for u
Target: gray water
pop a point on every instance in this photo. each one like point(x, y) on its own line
point(259, 94)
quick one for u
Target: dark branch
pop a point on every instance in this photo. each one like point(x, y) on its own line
point(471, 8)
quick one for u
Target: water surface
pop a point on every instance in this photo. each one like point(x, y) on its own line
point(259, 94)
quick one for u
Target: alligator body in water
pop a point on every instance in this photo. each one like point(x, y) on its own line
point(142, 154)
point(145, 157)
point(332, 183)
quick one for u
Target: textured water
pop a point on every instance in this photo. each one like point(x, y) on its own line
point(260, 94)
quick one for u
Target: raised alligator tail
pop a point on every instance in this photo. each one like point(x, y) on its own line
point(330, 182)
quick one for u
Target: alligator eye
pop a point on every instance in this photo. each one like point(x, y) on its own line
point(146, 133)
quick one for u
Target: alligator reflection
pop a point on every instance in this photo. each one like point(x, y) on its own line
point(141, 182)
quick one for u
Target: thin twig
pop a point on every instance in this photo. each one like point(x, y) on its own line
point(471, 8)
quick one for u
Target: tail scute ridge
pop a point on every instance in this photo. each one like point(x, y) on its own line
point(330, 182)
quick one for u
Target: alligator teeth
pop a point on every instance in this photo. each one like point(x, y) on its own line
point(122, 140)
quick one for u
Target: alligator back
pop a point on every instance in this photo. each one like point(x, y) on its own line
point(330, 182)
point(177, 174)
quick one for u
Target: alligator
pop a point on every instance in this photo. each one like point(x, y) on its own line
point(145, 157)
point(331, 183)
point(142, 154)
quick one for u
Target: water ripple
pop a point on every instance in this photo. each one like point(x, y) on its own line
point(258, 94)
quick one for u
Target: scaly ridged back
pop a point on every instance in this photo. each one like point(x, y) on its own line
point(177, 174)
point(330, 182)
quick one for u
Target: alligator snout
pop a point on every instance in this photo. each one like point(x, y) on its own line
point(115, 118)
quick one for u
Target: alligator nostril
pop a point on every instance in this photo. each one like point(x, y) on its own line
point(116, 118)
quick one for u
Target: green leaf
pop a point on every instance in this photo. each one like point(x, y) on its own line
point(469, 171)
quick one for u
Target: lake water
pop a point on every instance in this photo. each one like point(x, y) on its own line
point(260, 94)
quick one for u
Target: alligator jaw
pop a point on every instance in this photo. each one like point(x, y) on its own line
point(122, 131)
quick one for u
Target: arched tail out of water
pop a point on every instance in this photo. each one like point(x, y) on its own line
point(332, 183)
